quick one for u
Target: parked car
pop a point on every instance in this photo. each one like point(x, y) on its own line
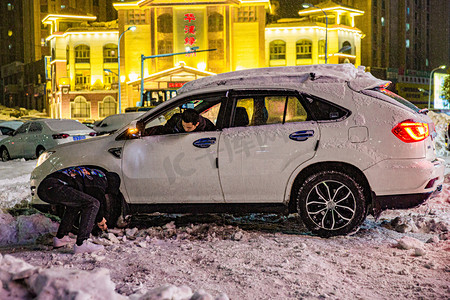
point(34, 137)
point(326, 141)
point(113, 122)
point(8, 127)
point(138, 108)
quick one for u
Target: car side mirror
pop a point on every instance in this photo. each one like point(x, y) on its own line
point(135, 129)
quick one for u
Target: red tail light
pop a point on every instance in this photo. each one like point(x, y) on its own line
point(409, 131)
point(92, 133)
point(60, 136)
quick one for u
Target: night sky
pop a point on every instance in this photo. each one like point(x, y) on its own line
point(290, 8)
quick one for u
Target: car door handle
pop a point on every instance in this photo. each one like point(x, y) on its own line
point(205, 142)
point(302, 135)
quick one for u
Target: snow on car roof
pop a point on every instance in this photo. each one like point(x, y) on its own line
point(358, 79)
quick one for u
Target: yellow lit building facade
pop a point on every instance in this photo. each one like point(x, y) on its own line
point(234, 28)
point(80, 87)
point(301, 41)
point(237, 29)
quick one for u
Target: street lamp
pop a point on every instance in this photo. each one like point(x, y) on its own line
point(308, 5)
point(431, 78)
point(132, 28)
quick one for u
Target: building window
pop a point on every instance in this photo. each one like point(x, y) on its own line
point(165, 46)
point(165, 23)
point(382, 21)
point(246, 14)
point(67, 55)
point(10, 6)
point(407, 43)
point(136, 16)
point(82, 54)
point(110, 53)
point(217, 54)
point(107, 107)
point(304, 49)
point(82, 79)
point(407, 27)
point(322, 47)
point(80, 108)
point(109, 78)
point(277, 49)
point(215, 22)
point(348, 47)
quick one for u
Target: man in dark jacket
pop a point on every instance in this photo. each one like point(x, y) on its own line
point(79, 189)
point(188, 121)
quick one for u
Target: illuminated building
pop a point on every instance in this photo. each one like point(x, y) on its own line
point(80, 86)
point(236, 30)
point(301, 41)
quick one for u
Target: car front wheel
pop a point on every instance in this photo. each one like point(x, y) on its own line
point(331, 203)
point(5, 154)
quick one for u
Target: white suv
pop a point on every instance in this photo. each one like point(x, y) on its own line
point(326, 141)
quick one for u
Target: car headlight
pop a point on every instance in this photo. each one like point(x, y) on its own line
point(43, 157)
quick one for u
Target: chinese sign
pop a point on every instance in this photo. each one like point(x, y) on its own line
point(189, 30)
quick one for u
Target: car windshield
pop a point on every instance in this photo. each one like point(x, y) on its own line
point(64, 125)
point(380, 91)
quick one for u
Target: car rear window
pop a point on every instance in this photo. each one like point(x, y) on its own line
point(381, 93)
point(63, 125)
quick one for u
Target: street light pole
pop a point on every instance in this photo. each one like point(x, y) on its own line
point(309, 5)
point(431, 78)
point(132, 28)
point(143, 58)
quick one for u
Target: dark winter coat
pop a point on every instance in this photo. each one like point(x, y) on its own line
point(91, 181)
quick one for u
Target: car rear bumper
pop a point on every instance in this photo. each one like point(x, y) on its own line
point(403, 201)
point(391, 178)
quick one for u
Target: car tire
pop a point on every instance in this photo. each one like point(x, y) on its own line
point(5, 155)
point(39, 151)
point(331, 203)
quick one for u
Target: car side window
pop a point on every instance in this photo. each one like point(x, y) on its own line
point(268, 109)
point(5, 130)
point(35, 127)
point(209, 108)
point(23, 128)
point(324, 110)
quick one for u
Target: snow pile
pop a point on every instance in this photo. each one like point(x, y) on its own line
point(21, 280)
point(15, 182)
point(24, 281)
point(440, 122)
point(293, 75)
point(24, 229)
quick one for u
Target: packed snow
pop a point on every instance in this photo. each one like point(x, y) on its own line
point(405, 254)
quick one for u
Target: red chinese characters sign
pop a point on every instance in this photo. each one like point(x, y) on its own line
point(189, 31)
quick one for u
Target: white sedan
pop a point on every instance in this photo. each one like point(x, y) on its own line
point(36, 136)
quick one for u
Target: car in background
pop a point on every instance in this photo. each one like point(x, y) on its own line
point(34, 137)
point(138, 108)
point(328, 142)
point(8, 127)
point(113, 122)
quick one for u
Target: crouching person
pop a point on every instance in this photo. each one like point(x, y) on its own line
point(80, 190)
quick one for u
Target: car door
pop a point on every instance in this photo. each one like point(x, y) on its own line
point(271, 134)
point(167, 168)
point(32, 139)
point(18, 141)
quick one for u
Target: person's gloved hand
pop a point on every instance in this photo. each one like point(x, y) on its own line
point(102, 225)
